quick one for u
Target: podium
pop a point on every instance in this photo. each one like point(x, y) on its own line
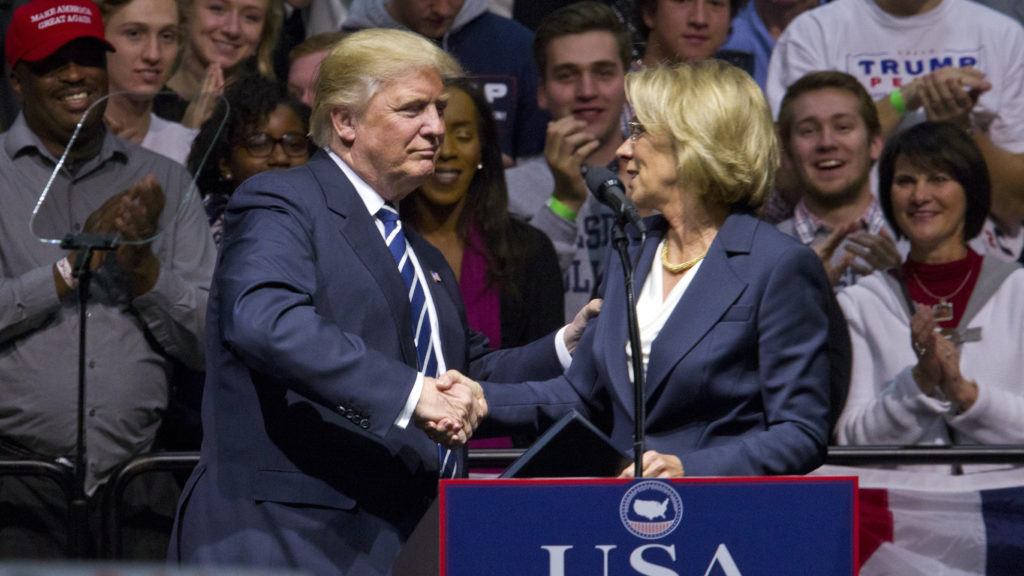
point(611, 527)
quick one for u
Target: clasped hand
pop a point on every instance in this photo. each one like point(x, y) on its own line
point(876, 251)
point(938, 362)
point(450, 408)
point(133, 215)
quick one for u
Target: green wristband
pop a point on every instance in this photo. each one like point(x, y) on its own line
point(561, 210)
point(897, 102)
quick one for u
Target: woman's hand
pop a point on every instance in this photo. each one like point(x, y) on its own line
point(925, 340)
point(960, 391)
point(657, 465)
point(203, 104)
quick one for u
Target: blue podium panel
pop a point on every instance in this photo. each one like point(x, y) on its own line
point(691, 526)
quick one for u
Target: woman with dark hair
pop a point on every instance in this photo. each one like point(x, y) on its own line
point(938, 348)
point(507, 270)
point(266, 129)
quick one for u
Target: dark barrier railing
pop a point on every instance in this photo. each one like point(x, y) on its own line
point(63, 476)
point(838, 455)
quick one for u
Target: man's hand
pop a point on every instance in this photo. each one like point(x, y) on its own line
point(574, 330)
point(450, 408)
point(133, 215)
point(877, 251)
point(568, 144)
point(657, 465)
point(947, 94)
point(137, 221)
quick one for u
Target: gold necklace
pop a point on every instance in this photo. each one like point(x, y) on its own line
point(678, 268)
point(943, 308)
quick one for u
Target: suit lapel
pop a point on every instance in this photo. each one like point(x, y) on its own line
point(713, 290)
point(358, 229)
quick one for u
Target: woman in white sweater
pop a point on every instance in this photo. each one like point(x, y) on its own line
point(938, 344)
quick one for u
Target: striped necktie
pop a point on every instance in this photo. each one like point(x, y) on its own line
point(426, 355)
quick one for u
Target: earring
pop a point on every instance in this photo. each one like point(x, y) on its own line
point(226, 175)
point(480, 166)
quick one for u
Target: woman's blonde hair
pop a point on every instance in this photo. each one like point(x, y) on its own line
point(272, 23)
point(268, 38)
point(363, 62)
point(719, 124)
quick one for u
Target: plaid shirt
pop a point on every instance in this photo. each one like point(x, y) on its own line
point(812, 231)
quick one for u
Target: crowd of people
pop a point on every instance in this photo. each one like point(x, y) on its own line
point(389, 245)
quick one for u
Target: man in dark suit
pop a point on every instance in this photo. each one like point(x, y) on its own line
point(326, 429)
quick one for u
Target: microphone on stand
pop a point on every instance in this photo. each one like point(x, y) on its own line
point(608, 189)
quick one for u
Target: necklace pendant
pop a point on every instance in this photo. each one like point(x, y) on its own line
point(942, 311)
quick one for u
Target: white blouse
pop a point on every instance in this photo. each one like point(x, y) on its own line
point(652, 310)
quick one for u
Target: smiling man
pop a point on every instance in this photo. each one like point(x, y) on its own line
point(831, 137)
point(684, 30)
point(582, 51)
point(147, 310)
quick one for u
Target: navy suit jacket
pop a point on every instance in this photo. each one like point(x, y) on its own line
point(310, 360)
point(738, 378)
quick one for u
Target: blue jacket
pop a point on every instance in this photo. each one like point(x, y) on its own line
point(738, 378)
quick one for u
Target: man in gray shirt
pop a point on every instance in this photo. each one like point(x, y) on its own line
point(147, 308)
point(582, 51)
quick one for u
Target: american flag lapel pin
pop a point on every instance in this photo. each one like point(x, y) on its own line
point(435, 277)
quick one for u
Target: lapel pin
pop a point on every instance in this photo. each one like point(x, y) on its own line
point(435, 277)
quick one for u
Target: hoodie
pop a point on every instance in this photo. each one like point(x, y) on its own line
point(495, 50)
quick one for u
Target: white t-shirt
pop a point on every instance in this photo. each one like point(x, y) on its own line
point(169, 139)
point(885, 51)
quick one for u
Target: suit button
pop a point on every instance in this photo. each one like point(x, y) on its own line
point(364, 424)
point(341, 409)
point(350, 414)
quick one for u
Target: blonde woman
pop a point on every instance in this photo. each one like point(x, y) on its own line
point(733, 314)
point(224, 40)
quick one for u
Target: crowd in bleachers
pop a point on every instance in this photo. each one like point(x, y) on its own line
point(900, 125)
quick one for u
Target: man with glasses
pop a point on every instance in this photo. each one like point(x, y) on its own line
point(147, 309)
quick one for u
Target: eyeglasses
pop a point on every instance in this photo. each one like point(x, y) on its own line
point(636, 130)
point(262, 145)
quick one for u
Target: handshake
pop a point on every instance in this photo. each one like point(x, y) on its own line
point(450, 408)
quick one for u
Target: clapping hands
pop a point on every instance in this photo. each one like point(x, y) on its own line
point(450, 408)
point(937, 372)
point(876, 251)
point(133, 215)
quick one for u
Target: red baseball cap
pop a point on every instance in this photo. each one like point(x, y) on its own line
point(41, 27)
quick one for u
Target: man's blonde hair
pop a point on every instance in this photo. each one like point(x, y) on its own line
point(365, 61)
point(719, 124)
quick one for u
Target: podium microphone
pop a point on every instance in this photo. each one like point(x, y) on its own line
point(608, 189)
